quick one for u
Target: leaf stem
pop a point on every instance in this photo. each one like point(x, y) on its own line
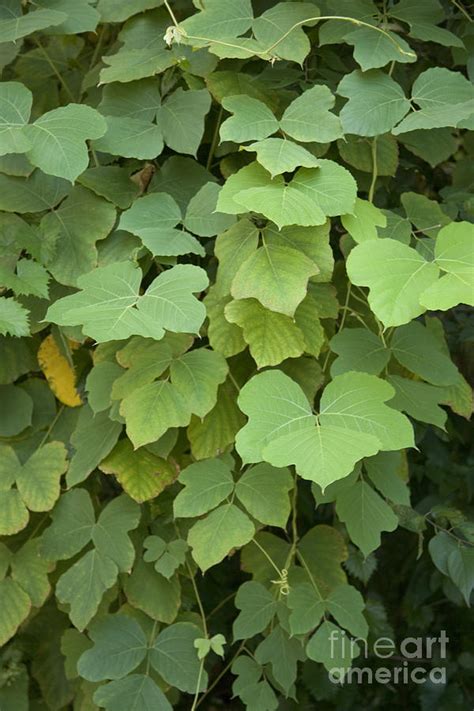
point(374, 170)
point(198, 686)
point(215, 139)
point(268, 557)
point(199, 602)
point(222, 673)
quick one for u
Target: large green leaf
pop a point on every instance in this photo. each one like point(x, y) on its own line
point(214, 536)
point(252, 120)
point(109, 305)
point(181, 119)
point(376, 103)
point(278, 155)
point(353, 422)
point(396, 275)
point(174, 657)
point(308, 118)
point(58, 139)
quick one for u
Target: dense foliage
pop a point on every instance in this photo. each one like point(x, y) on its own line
point(236, 263)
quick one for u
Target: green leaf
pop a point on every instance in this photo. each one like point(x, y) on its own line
point(196, 376)
point(263, 490)
point(330, 647)
point(365, 514)
point(138, 100)
point(307, 607)
point(271, 336)
point(181, 118)
point(153, 218)
point(35, 193)
point(174, 657)
point(81, 220)
point(461, 570)
point(80, 16)
point(106, 305)
point(358, 349)
point(94, 437)
point(396, 275)
point(376, 103)
point(278, 155)
point(330, 187)
point(15, 608)
point(354, 422)
point(120, 10)
point(15, 514)
point(84, 584)
point(417, 349)
point(444, 98)
point(201, 217)
point(15, 109)
point(151, 410)
point(13, 318)
point(214, 536)
point(257, 608)
point(207, 484)
point(134, 64)
point(152, 593)
point(136, 691)
point(130, 137)
point(455, 256)
point(423, 18)
point(167, 556)
point(58, 139)
point(280, 27)
point(283, 653)
point(218, 22)
point(16, 412)
point(142, 474)
point(275, 276)
point(110, 534)
point(418, 400)
point(374, 49)
point(38, 478)
point(363, 222)
point(283, 204)
point(252, 120)
point(256, 695)
point(73, 522)
point(14, 25)
point(346, 605)
point(386, 471)
point(119, 647)
point(30, 571)
point(308, 118)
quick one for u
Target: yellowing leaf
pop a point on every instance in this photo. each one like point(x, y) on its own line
point(58, 372)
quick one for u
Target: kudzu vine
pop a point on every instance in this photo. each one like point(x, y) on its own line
point(237, 266)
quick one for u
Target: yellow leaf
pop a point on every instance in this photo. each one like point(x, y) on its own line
point(58, 372)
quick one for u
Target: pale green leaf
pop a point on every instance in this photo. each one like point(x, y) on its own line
point(14, 25)
point(15, 109)
point(363, 222)
point(387, 472)
point(373, 50)
point(130, 137)
point(93, 438)
point(214, 536)
point(263, 490)
point(396, 275)
point(206, 484)
point(201, 217)
point(275, 276)
point(331, 188)
point(278, 155)
point(153, 218)
point(308, 118)
point(151, 410)
point(454, 254)
point(80, 16)
point(419, 400)
point(376, 103)
point(181, 118)
point(58, 139)
point(212, 435)
point(443, 97)
point(138, 100)
point(423, 17)
point(219, 22)
point(272, 337)
point(13, 318)
point(280, 27)
point(14, 610)
point(252, 120)
point(196, 375)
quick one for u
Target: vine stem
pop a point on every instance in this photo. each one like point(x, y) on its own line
point(198, 686)
point(215, 139)
point(264, 52)
point(221, 674)
point(268, 557)
point(199, 602)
